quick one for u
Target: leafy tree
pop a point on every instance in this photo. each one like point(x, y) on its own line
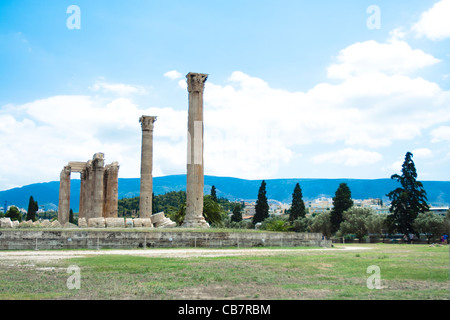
point(342, 201)
point(321, 223)
point(274, 223)
point(32, 209)
point(14, 214)
point(212, 211)
point(408, 200)
point(377, 224)
point(432, 225)
point(237, 214)
point(213, 193)
point(298, 206)
point(355, 222)
point(262, 206)
point(301, 224)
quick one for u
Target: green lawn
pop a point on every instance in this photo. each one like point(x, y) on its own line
point(406, 271)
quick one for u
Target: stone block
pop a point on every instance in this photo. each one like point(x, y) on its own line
point(46, 224)
point(70, 225)
point(158, 218)
point(36, 223)
point(115, 222)
point(167, 223)
point(6, 223)
point(147, 223)
point(137, 222)
point(56, 224)
point(96, 223)
point(15, 223)
point(82, 223)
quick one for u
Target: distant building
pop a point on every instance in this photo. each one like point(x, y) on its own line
point(320, 205)
point(439, 210)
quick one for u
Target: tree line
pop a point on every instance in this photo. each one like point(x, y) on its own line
point(409, 212)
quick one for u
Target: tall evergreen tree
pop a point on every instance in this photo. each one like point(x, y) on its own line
point(342, 201)
point(71, 216)
point(213, 193)
point(32, 209)
point(262, 206)
point(237, 214)
point(408, 200)
point(298, 205)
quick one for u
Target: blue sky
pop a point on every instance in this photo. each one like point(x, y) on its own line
point(296, 89)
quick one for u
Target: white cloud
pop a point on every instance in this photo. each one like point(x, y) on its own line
point(434, 23)
point(348, 157)
point(441, 133)
point(117, 88)
point(173, 75)
point(422, 153)
point(395, 57)
point(396, 34)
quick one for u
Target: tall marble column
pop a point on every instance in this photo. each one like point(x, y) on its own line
point(195, 170)
point(146, 191)
point(64, 196)
point(111, 190)
point(98, 170)
point(89, 191)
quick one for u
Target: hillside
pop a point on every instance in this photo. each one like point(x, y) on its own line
point(231, 188)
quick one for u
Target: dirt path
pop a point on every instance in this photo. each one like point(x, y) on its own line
point(50, 255)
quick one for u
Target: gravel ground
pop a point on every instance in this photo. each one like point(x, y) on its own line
point(50, 255)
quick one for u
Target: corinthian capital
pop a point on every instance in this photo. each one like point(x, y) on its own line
point(147, 122)
point(196, 81)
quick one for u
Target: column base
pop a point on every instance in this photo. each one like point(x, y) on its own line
point(197, 222)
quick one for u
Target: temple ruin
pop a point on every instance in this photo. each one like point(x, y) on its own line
point(99, 183)
point(99, 188)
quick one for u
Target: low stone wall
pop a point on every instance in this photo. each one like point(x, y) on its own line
point(87, 239)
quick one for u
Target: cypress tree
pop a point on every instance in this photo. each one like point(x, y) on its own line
point(71, 216)
point(408, 200)
point(262, 206)
point(213, 194)
point(32, 209)
point(342, 201)
point(298, 205)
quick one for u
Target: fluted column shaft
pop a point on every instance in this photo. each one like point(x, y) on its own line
point(195, 165)
point(146, 187)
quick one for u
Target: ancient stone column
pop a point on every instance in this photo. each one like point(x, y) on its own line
point(97, 199)
point(64, 196)
point(111, 190)
point(88, 191)
point(195, 174)
point(145, 197)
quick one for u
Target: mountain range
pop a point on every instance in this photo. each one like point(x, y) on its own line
point(46, 194)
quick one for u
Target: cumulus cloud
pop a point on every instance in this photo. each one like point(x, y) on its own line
point(434, 23)
point(117, 88)
point(395, 57)
point(441, 133)
point(173, 75)
point(422, 153)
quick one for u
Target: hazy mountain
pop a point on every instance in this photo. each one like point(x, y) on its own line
point(232, 188)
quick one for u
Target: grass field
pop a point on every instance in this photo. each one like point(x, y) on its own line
point(406, 272)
